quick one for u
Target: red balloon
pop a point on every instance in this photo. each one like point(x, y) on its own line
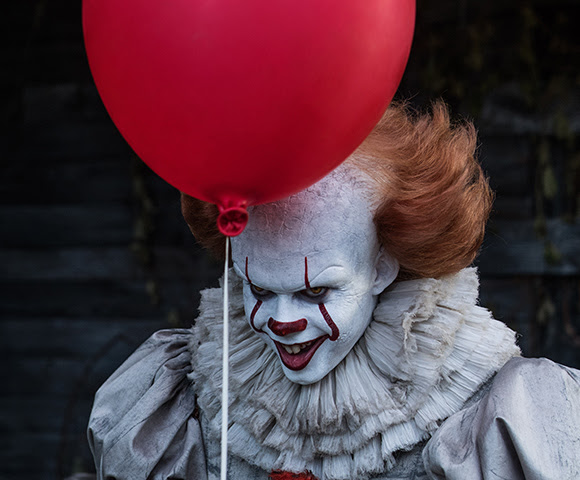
point(245, 102)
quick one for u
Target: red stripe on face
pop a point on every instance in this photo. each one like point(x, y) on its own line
point(329, 321)
point(254, 311)
point(256, 307)
point(325, 314)
point(247, 276)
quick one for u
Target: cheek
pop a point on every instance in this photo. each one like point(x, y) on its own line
point(254, 309)
point(352, 313)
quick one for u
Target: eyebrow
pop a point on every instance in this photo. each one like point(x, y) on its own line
point(308, 280)
point(306, 276)
point(314, 279)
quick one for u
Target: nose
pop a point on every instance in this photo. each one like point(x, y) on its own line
point(286, 328)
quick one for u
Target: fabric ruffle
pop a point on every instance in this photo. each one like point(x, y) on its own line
point(427, 351)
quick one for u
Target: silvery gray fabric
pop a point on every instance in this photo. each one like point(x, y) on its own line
point(427, 350)
point(526, 427)
point(145, 425)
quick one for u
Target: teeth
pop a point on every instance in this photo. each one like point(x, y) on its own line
point(294, 349)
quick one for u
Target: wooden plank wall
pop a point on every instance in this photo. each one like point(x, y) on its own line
point(94, 256)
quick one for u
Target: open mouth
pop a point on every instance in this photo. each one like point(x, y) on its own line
point(297, 356)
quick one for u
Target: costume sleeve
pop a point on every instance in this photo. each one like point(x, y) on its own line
point(143, 424)
point(526, 427)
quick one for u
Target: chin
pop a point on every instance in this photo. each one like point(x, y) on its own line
point(303, 377)
point(315, 371)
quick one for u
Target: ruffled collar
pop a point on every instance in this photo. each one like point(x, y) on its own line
point(427, 350)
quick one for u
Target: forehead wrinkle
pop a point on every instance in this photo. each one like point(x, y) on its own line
point(306, 232)
point(336, 210)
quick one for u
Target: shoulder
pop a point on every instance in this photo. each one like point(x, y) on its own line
point(526, 426)
point(147, 408)
point(161, 359)
point(540, 378)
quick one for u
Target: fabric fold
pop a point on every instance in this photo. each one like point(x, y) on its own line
point(426, 352)
point(143, 425)
point(434, 387)
point(526, 427)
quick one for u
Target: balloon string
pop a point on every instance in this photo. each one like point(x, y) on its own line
point(225, 368)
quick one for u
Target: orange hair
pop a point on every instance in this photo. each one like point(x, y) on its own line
point(433, 199)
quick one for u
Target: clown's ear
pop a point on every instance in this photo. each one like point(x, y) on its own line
point(386, 270)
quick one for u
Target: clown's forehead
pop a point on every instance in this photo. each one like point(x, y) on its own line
point(330, 224)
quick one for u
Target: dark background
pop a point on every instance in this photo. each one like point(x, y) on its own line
point(94, 255)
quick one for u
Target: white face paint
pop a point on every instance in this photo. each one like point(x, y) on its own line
point(312, 271)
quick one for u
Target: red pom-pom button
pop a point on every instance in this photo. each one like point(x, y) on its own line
point(280, 475)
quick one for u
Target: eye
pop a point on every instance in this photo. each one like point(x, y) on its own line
point(259, 292)
point(314, 293)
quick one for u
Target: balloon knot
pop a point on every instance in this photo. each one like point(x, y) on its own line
point(232, 220)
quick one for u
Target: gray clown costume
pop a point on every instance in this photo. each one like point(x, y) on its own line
point(435, 388)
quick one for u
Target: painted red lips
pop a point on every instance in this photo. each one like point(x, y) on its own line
point(297, 356)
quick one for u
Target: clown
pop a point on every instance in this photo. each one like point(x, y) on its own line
point(358, 349)
point(309, 287)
